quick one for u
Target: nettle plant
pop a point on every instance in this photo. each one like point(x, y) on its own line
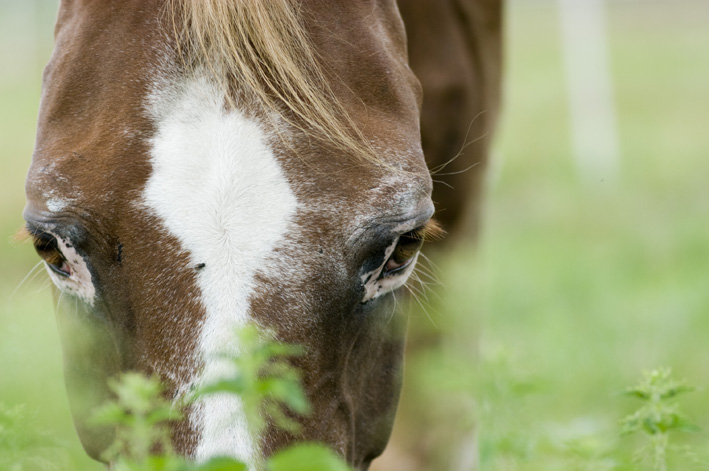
point(18, 435)
point(268, 387)
point(659, 416)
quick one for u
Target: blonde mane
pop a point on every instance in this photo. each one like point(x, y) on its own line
point(263, 46)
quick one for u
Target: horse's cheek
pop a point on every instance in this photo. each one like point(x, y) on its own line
point(90, 358)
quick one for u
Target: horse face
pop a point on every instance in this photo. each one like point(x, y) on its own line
point(167, 219)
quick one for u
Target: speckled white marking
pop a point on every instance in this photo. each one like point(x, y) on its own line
point(56, 205)
point(220, 191)
point(375, 287)
point(79, 283)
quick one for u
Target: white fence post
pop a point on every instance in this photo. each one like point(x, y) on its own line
point(590, 92)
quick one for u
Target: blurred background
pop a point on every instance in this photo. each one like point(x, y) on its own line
point(593, 265)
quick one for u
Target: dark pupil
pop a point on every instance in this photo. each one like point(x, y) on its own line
point(406, 249)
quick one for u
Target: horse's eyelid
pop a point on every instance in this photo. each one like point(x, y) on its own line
point(41, 237)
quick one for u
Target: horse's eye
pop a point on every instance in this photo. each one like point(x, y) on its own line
point(409, 245)
point(47, 248)
point(404, 253)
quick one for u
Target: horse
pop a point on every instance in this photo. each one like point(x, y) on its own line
point(204, 164)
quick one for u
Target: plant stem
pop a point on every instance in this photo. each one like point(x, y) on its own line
point(659, 446)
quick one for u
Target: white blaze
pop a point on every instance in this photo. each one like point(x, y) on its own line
point(220, 191)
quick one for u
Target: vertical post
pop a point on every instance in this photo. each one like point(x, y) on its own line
point(18, 21)
point(590, 91)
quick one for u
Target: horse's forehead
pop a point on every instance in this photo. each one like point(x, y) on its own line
point(205, 144)
point(95, 127)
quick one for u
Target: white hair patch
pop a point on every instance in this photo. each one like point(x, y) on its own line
point(219, 189)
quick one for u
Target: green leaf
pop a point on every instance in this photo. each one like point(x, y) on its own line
point(275, 349)
point(163, 414)
point(109, 414)
point(165, 463)
point(675, 390)
point(637, 392)
point(685, 425)
point(235, 385)
point(289, 392)
point(306, 457)
point(221, 464)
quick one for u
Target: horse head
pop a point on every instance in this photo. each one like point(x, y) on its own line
point(204, 165)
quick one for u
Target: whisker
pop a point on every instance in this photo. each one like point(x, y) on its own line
point(423, 269)
point(427, 281)
point(59, 300)
point(475, 164)
point(430, 262)
point(25, 278)
point(431, 271)
point(466, 144)
point(418, 291)
point(31, 280)
point(411, 292)
point(443, 183)
point(47, 283)
point(430, 274)
point(394, 310)
point(415, 277)
point(423, 308)
point(426, 286)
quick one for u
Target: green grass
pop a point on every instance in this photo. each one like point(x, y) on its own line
point(590, 285)
point(579, 287)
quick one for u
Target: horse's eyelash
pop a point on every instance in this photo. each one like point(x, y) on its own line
point(23, 234)
point(36, 235)
point(30, 233)
point(429, 232)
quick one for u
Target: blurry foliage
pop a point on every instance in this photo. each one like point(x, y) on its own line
point(141, 417)
point(261, 378)
point(264, 380)
point(22, 446)
point(306, 457)
point(659, 415)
